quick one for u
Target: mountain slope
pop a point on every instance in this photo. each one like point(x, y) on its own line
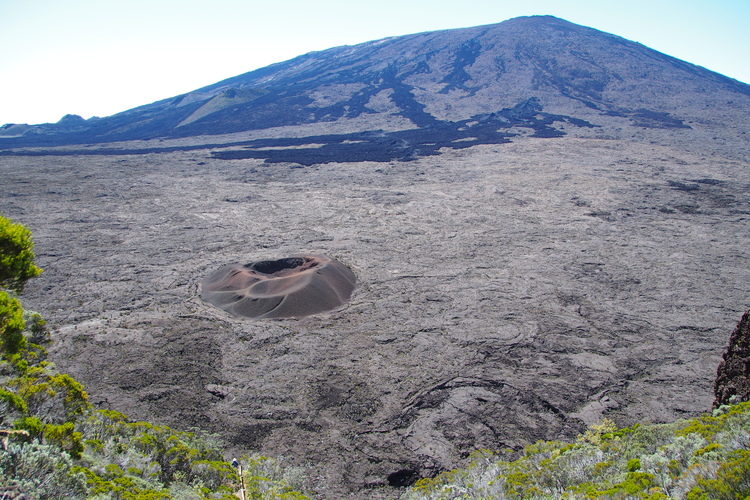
point(436, 80)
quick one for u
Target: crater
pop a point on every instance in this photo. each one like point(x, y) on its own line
point(284, 288)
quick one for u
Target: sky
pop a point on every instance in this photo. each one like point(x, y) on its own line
point(101, 57)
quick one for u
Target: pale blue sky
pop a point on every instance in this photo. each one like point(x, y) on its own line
point(100, 57)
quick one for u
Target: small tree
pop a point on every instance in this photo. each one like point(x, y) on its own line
point(16, 256)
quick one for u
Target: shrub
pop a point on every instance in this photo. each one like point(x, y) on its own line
point(732, 481)
point(37, 326)
point(11, 325)
point(12, 401)
point(707, 458)
point(74, 399)
point(32, 425)
point(16, 256)
point(266, 479)
point(66, 437)
point(41, 472)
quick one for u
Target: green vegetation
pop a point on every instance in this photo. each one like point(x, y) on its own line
point(16, 268)
point(11, 324)
point(16, 256)
point(707, 458)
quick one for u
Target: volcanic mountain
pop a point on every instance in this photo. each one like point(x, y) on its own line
point(547, 225)
point(411, 95)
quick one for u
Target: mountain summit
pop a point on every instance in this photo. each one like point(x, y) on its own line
point(539, 75)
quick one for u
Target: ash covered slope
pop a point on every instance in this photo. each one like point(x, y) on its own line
point(426, 79)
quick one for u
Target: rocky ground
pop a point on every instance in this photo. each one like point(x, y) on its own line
point(506, 293)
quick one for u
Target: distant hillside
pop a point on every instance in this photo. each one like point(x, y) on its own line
point(473, 84)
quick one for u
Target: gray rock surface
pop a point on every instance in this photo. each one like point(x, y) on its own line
point(506, 293)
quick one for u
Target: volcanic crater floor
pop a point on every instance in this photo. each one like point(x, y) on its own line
point(505, 293)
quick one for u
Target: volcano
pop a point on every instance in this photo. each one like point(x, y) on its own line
point(408, 96)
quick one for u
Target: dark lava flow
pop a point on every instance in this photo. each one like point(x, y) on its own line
point(403, 145)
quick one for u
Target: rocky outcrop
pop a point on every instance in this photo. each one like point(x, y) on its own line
point(733, 376)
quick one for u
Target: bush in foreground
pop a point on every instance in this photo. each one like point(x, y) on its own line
point(707, 458)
